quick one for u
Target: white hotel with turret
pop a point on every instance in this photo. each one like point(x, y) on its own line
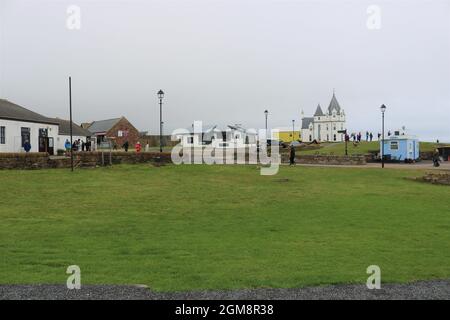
point(324, 126)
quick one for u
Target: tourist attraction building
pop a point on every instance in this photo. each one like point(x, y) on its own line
point(325, 126)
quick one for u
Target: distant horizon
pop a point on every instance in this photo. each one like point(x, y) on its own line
point(225, 62)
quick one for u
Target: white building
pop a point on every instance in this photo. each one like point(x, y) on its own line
point(18, 125)
point(325, 126)
point(233, 137)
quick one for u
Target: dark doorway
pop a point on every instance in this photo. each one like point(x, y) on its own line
point(26, 135)
point(45, 143)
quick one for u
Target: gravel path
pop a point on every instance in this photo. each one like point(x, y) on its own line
point(417, 290)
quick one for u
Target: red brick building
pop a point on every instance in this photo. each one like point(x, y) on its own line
point(116, 130)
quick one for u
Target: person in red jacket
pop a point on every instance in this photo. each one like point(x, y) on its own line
point(138, 147)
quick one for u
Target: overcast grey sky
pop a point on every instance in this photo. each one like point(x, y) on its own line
point(226, 61)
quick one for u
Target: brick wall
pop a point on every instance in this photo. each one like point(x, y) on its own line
point(124, 125)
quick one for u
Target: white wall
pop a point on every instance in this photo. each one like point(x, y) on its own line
point(13, 141)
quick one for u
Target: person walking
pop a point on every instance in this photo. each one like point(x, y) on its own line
point(126, 145)
point(436, 158)
point(371, 137)
point(367, 136)
point(292, 156)
point(138, 147)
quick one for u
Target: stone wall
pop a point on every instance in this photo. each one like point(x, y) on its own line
point(32, 160)
point(94, 159)
point(437, 178)
point(327, 159)
point(81, 159)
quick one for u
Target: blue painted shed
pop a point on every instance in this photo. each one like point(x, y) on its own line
point(401, 148)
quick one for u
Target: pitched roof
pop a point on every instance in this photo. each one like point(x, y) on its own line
point(102, 125)
point(306, 122)
point(64, 128)
point(334, 104)
point(12, 111)
point(319, 112)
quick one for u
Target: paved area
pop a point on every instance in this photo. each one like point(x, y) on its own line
point(422, 290)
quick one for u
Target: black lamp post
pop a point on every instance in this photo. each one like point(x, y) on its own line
point(266, 113)
point(160, 96)
point(383, 110)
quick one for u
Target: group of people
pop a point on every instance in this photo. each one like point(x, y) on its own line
point(126, 146)
point(137, 147)
point(357, 137)
point(78, 145)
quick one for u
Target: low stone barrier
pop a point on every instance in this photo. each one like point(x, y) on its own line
point(94, 159)
point(437, 178)
point(35, 160)
point(327, 159)
point(81, 159)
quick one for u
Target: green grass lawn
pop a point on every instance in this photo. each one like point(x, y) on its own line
point(221, 227)
point(362, 148)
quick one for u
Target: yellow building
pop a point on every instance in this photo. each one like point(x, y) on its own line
point(287, 135)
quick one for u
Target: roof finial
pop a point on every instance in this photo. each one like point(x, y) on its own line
point(334, 91)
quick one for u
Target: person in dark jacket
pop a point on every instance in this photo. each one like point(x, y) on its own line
point(292, 156)
point(436, 158)
point(27, 146)
point(126, 145)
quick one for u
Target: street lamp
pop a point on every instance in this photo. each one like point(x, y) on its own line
point(293, 129)
point(383, 110)
point(160, 96)
point(266, 113)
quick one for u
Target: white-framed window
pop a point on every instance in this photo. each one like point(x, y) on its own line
point(120, 133)
point(394, 145)
point(2, 135)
